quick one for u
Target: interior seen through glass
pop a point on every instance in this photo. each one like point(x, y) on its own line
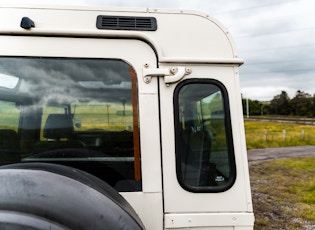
point(77, 112)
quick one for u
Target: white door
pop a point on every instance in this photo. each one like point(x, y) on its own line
point(147, 201)
point(205, 178)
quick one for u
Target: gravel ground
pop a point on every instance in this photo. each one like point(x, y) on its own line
point(266, 207)
point(256, 155)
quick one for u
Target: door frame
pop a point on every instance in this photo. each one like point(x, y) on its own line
point(149, 202)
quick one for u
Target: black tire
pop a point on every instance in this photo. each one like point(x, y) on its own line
point(51, 196)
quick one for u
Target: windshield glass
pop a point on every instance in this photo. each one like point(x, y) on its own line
point(76, 112)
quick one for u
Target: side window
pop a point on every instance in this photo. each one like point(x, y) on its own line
point(204, 146)
point(78, 112)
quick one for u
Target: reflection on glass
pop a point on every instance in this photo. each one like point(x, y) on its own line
point(77, 112)
point(7, 81)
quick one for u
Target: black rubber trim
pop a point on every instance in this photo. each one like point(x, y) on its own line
point(228, 128)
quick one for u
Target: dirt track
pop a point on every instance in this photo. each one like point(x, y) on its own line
point(256, 155)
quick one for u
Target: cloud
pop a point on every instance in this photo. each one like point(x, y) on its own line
point(274, 37)
point(276, 43)
point(47, 80)
point(262, 93)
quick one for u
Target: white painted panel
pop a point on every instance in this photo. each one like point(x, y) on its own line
point(177, 200)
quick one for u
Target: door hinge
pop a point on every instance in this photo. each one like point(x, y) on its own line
point(171, 75)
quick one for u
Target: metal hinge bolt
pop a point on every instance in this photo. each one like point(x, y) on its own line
point(171, 75)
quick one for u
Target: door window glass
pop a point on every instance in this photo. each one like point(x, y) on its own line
point(77, 112)
point(204, 146)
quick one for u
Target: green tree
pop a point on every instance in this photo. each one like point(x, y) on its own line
point(302, 104)
point(280, 104)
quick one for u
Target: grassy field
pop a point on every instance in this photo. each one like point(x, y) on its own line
point(284, 194)
point(260, 134)
point(283, 190)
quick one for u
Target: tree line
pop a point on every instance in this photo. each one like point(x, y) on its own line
point(302, 104)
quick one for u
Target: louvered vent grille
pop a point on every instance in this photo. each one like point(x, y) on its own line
point(126, 23)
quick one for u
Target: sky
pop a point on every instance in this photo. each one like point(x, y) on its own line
point(275, 38)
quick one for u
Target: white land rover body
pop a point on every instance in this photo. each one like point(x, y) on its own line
point(120, 119)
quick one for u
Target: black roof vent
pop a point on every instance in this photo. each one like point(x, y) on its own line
point(126, 23)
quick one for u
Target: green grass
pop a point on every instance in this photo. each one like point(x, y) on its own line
point(261, 134)
point(284, 193)
point(106, 116)
point(283, 190)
